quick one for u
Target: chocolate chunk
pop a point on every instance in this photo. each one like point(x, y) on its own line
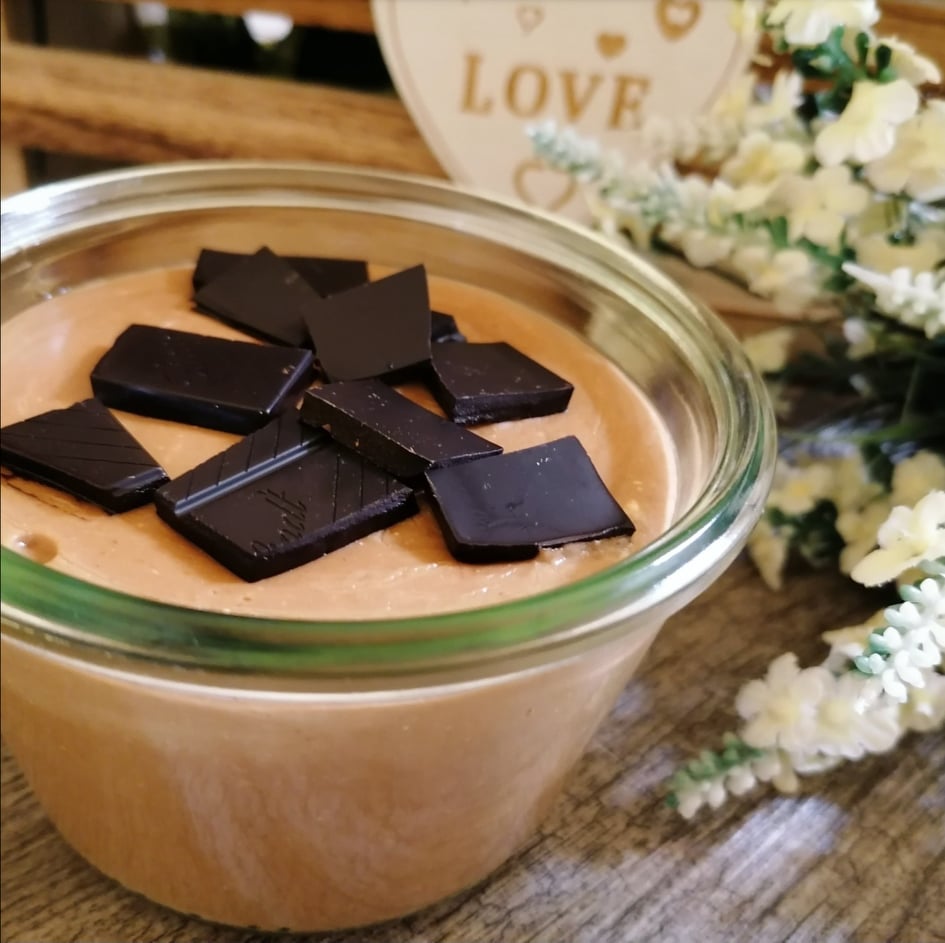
point(326, 276)
point(477, 383)
point(263, 295)
point(381, 329)
point(506, 507)
point(443, 328)
point(392, 431)
point(282, 497)
point(85, 451)
point(235, 386)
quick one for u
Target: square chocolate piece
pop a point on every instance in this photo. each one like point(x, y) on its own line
point(476, 383)
point(507, 507)
point(381, 329)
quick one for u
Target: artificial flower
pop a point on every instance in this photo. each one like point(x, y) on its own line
point(917, 301)
point(761, 159)
point(779, 107)
point(850, 723)
point(857, 528)
point(781, 710)
point(908, 536)
point(916, 163)
point(925, 709)
point(866, 129)
point(768, 549)
point(818, 206)
point(907, 63)
point(745, 17)
point(786, 276)
point(810, 22)
point(916, 476)
point(768, 350)
point(876, 252)
point(797, 489)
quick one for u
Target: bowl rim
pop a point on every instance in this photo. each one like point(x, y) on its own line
point(40, 603)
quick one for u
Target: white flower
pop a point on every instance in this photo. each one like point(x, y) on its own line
point(858, 527)
point(781, 710)
point(907, 63)
point(874, 251)
point(775, 767)
point(916, 163)
point(917, 301)
point(787, 276)
point(693, 796)
point(732, 104)
point(927, 599)
point(850, 722)
point(797, 488)
point(762, 159)
point(818, 207)
point(781, 103)
point(916, 476)
point(866, 129)
point(909, 536)
point(925, 709)
point(768, 350)
point(859, 337)
point(745, 17)
point(852, 485)
point(810, 22)
point(768, 549)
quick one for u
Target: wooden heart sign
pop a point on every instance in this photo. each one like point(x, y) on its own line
point(474, 73)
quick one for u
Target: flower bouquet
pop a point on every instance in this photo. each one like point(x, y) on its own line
point(821, 187)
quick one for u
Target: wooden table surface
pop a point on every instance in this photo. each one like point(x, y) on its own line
point(858, 857)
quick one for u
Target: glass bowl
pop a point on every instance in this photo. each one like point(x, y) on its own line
point(311, 775)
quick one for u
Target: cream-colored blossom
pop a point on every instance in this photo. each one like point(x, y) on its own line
point(916, 163)
point(917, 301)
point(908, 536)
point(769, 350)
point(908, 63)
point(925, 709)
point(915, 476)
point(866, 128)
point(788, 277)
point(857, 527)
point(781, 710)
point(745, 18)
point(852, 486)
point(781, 104)
point(768, 549)
point(850, 722)
point(860, 339)
point(810, 22)
point(927, 252)
point(735, 99)
point(796, 489)
point(818, 207)
point(762, 159)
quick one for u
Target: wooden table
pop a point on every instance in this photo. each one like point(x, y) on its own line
point(859, 857)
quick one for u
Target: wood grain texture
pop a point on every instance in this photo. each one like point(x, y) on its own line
point(858, 858)
point(102, 106)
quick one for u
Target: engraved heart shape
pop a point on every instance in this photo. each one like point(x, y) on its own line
point(611, 44)
point(676, 17)
point(529, 17)
point(539, 186)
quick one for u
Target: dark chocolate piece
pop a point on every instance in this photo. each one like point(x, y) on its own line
point(85, 451)
point(381, 329)
point(282, 497)
point(443, 327)
point(263, 295)
point(477, 383)
point(506, 507)
point(390, 430)
point(326, 276)
point(235, 386)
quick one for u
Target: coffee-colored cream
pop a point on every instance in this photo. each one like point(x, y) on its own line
point(405, 570)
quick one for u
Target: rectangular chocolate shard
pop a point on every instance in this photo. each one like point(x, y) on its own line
point(282, 497)
point(507, 507)
point(326, 276)
point(262, 295)
point(234, 386)
point(381, 329)
point(390, 430)
point(86, 452)
point(477, 383)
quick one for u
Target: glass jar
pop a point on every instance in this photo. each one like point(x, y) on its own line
point(313, 775)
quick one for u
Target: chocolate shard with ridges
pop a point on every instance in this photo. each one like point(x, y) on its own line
point(234, 386)
point(390, 430)
point(259, 454)
point(85, 451)
point(477, 383)
point(262, 295)
point(326, 276)
point(381, 329)
point(507, 507)
point(301, 495)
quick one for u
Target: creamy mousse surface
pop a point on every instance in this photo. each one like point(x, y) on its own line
point(49, 351)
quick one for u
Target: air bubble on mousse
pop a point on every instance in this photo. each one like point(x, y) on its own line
point(37, 547)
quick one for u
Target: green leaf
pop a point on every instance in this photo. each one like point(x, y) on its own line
point(883, 58)
point(862, 42)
